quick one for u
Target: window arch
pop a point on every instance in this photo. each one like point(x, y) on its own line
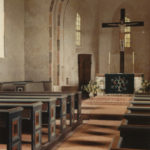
point(2, 29)
point(78, 29)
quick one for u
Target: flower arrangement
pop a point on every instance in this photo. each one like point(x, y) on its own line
point(92, 88)
point(146, 85)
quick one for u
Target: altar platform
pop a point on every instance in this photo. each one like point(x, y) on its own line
point(120, 83)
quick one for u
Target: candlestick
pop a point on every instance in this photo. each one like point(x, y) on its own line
point(133, 61)
point(109, 61)
point(133, 58)
point(109, 58)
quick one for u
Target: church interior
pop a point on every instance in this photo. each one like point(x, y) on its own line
point(100, 100)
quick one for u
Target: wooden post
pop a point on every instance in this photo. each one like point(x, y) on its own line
point(121, 61)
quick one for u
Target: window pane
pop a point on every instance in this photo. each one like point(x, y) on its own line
point(127, 34)
point(78, 29)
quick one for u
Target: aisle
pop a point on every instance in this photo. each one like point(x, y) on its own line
point(102, 117)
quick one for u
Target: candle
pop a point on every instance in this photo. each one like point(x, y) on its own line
point(109, 58)
point(133, 58)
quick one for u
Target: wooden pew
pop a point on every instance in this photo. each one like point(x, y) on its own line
point(41, 96)
point(139, 112)
point(60, 105)
point(142, 95)
point(48, 108)
point(135, 127)
point(73, 101)
point(137, 118)
point(10, 127)
point(141, 99)
point(117, 143)
point(77, 99)
point(70, 105)
point(139, 109)
point(140, 103)
point(134, 136)
point(31, 119)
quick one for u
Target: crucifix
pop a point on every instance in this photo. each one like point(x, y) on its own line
point(122, 24)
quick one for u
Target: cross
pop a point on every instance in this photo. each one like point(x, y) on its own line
point(122, 24)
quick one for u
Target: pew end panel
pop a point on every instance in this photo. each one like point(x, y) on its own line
point(10, 127)
point(31, 119)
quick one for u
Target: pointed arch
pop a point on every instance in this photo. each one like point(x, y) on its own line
point(56, 39)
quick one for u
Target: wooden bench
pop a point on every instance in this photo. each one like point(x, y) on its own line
point(10, 127)
point(139, 109)
point(135, 128)
point(141, 103)
point(73, 101)
point(137, 118)
point(142, 94)
point(141, 98)
point(58, 102)
point(134, 136)
point(70, 105)
point(77, 99)
point(31, 119)
point(48, 111)
point(117, 142)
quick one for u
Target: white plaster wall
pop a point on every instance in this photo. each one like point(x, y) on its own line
point(37, 40)
point(89, 38)
point(95, 40)
point(12, 66)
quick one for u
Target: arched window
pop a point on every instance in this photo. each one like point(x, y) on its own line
point(78, 30)
point(2, 28)
point(127, 36)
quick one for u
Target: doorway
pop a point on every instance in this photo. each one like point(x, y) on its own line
point(84, 69)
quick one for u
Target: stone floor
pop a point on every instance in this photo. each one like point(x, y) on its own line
point(101, 118)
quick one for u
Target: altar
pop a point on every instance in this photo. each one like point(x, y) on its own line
point(119, 83)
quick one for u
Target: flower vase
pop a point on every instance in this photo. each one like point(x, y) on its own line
point(91, 95)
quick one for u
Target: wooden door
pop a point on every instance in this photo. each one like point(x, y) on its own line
point(84, 69)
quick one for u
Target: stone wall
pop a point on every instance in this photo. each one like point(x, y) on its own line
point(89, 38)
point(37, 40)
point(27, 39)
point(12, 65)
